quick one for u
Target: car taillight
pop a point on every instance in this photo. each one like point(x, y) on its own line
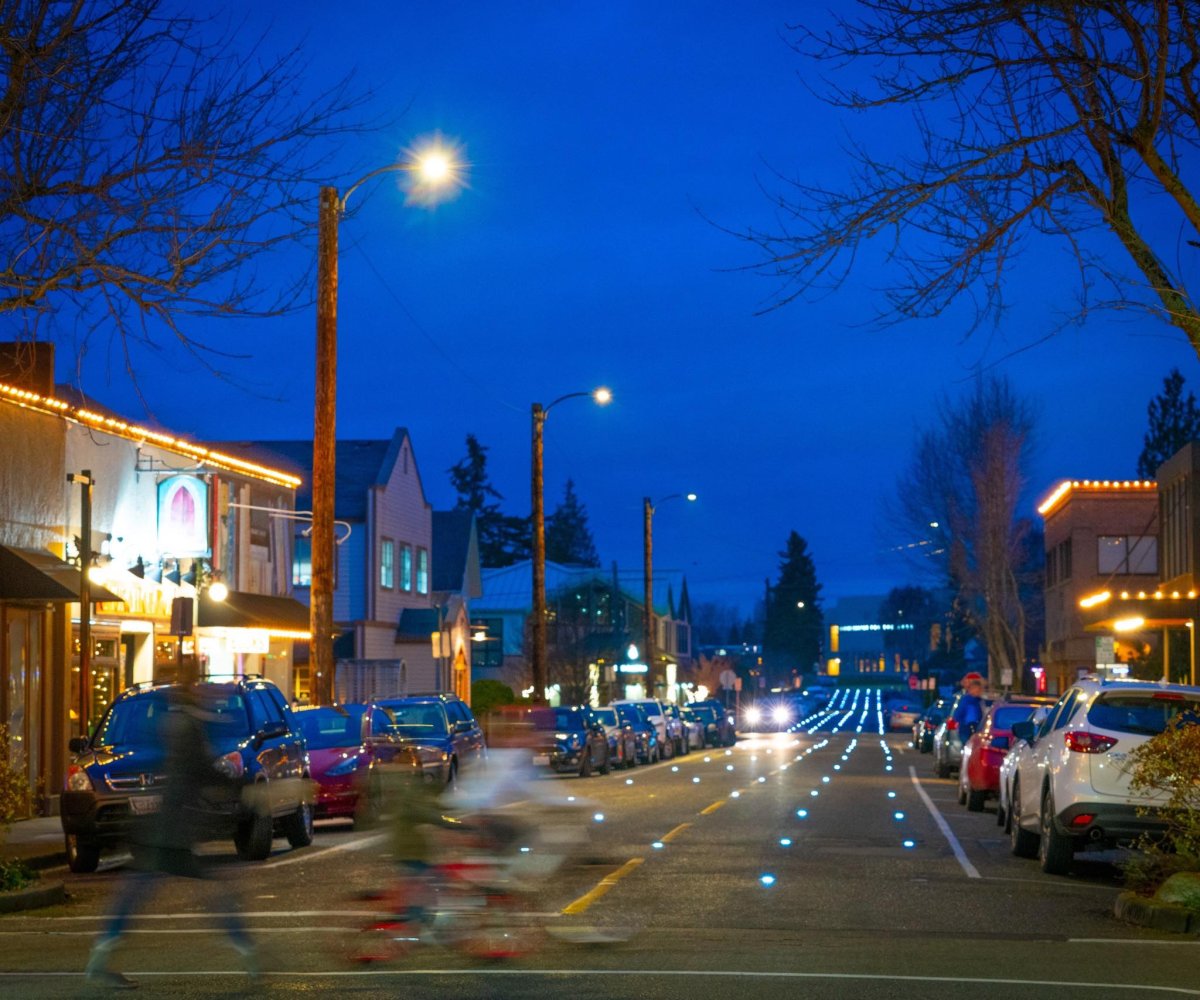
point(230, 765)
point(1084, 742)
point(77, 779)
point(951, 724)
point(1083, 819)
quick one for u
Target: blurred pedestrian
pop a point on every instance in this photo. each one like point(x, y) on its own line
point(969, 713)
point(163, 842)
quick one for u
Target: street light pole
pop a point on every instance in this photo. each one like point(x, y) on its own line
point(433, 168)
point(85, 482)
point(537, 660)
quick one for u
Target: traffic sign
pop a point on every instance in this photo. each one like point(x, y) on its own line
point(727, 678)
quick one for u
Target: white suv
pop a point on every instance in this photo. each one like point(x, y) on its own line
point(1068, 786)
point(670, 729)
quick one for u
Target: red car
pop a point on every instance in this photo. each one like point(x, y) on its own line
point(347, 746)
point(979, 775)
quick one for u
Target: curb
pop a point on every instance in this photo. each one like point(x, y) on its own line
point(33, 897)
point(1144, 912)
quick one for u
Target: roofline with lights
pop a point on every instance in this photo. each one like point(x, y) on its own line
point(1060, 492)
point(133, 432)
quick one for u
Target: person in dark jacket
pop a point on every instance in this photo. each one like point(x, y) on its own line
point(969, 713)
point(163, 842)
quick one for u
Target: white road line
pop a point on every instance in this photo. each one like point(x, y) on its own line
point(1141, 988)
point(350, 845)
point(955, 846)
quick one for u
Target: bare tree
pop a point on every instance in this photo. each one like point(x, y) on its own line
point(961, 491)
point(149, 160)
point(1029, 118)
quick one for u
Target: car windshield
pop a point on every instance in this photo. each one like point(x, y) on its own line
point(568, 718)
point(1006, 715)
point(605, 716)
point(417, 719)
point(705, 713)
point(133, 721)
point(629, 713)
point(1147, 713)
point(330, 727)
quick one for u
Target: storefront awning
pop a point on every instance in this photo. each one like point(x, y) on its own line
point(242, 610)
point(29, 575)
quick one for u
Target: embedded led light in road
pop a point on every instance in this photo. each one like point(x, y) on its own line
point(814, 793)
point(897, 815)
point(891, 795)
point(629, 781)
point(785, 841)
point(599, 817)
point(761, 780)
point(910, 843)
point(825, 779)
point(707, 759)
point(674, 767)
point(837, 767)
point(695, 781)
point(657, 845)
point(802, 813)
point(735, 795)
point(524, 850)
point(767, 880)
point(728, 767)
point(888, 768)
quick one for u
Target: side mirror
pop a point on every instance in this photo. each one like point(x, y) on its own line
point(462, 726)
point(1023, 731)
point(77, 744)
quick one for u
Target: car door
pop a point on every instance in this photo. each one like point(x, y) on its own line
point(1033, 763)
point(465, 732)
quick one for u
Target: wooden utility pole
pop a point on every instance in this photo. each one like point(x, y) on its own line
point(537, 505)
point(86, 482)
point(652, 679)
point(321, 662)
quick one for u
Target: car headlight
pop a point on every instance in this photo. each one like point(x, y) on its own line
point(753, 716)
point(78, 780)
point(230, 765)
point(780, 714)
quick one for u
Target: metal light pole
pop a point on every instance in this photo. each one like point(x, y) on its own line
point(433, 169)
point(538, 514)
point(86, 482)
point(648, 508)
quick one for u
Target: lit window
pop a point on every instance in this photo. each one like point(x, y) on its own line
point(406, 567)
point(422, 571)
point(302, 562)
point(387, 572)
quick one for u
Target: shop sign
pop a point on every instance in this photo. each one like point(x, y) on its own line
point(183, 517)
point(248, 640)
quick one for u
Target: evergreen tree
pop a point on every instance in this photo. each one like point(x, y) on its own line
point(568, 538)
point(795, 622)
point(1174, 421)
point(503, 539)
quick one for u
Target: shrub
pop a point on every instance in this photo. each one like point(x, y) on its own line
point(15, 874)
point(1168, 763)
point(14, 784)
point(489, 694)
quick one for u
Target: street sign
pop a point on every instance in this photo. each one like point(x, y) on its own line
point(727, 678)
point(1105, 653)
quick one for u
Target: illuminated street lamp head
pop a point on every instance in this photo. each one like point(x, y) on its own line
point(691, 497)
point(602, 395)
point(218, 591)
point(434, 171)
point(1128, 624)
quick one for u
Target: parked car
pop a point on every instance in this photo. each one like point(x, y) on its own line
point(348, 746)
point(1070, 789)
point(622, 742)
point(649, 750)
point(670, 730)
point(718, 722)
point(979, 772)
point(444, 731)
point(927, 722)
point(947, 745)
point(900, 714)
point(1008, 765)
point(691, 732)
point(697, 725)
point(116, 774)
point(565, 739)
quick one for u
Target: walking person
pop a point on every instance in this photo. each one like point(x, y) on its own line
point(163, 842)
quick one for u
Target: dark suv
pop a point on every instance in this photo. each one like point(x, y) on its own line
point(117, 773)
point(443, 730)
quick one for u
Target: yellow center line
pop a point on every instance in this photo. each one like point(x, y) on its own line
point(713, 808)
point(606, 883)
point(674, 833)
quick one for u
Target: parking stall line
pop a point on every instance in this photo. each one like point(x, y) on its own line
point(955, 846)
point(351, 845)
point(606, 883)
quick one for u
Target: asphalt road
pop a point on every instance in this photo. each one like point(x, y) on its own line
point(881, 886)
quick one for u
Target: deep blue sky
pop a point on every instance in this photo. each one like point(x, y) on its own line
point(601, 139)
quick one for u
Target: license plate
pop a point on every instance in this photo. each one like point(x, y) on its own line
point(540, 758)
point(144, 804)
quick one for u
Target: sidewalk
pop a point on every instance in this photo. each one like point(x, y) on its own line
point(39, 842)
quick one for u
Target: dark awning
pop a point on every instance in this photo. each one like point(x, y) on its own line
point(29, 575)
point(242, 610)
point(417, 624)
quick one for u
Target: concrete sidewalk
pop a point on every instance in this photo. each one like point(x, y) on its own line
point(38, 842)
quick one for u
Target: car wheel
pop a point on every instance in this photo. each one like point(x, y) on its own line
point(253, 837)
point(298, 827)
point(962, 787)
point(585, 766)
point(452, 775)
point(940, 770)
point(666, 750)
point(83, 856)
point(1000, 816)
point(975, 800)
point(1023, 843)
point(1055, 850)
point(605, 766)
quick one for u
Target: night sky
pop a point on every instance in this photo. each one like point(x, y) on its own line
point(608, 143)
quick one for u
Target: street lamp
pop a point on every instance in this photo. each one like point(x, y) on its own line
point(602, 396)
point(430, 169)
point(648, 509)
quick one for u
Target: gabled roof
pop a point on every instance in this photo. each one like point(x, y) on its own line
point(456, 553)
point(360, 464)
